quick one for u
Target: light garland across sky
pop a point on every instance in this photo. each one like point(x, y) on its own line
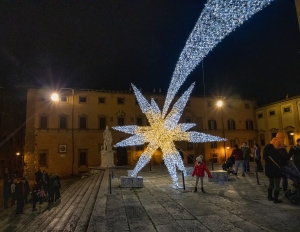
point(218, 19)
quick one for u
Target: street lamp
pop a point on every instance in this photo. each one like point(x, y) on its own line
point(220, 105)
point(55, 97)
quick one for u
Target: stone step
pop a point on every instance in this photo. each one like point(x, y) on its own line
point(84, 220)
point(71, 217)
point(43, 220)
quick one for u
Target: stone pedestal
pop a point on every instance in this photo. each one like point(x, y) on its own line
point(189, 170)
point(131, 182)
point(219, 175)
point(107, 159)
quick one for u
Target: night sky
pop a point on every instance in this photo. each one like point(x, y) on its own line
point(108, 44)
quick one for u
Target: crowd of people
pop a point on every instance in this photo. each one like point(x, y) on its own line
point(46, 188)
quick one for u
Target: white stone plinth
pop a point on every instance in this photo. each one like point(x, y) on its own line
point(189, 170)
point(129, 172)
point(131, 182)
point(218, 175)
point(107, 159)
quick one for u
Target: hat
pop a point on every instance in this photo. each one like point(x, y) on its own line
point(199, 158)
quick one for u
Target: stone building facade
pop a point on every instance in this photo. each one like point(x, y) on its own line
point(281, 116)
point(66, 136)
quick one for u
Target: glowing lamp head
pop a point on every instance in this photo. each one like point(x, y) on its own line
point(54, 97)
point(220, 103)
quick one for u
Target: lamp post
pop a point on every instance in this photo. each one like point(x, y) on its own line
point(220, 105)
point(55, 97)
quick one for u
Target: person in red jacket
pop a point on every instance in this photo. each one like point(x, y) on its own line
point(239, 160)
point(199, 169)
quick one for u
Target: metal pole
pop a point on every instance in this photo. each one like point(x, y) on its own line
point(183, 183)
point(73, 152)
point(212, 164)
point(257, 176)
point(223, 132)
point(109, 183)
point(150, 164)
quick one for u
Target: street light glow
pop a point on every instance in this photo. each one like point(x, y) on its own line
point(54, 97)
point(220, 103)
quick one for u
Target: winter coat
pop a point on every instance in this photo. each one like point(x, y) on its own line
point(256, 153)
point(295, 151)
point(246, 152)
point(6, 188)
point(199, 169)
point(284, 155)
point(271, 169)
point(237, 154)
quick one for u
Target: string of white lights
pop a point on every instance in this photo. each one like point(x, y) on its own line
point(217, 20)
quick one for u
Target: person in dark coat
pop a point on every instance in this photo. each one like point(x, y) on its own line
point(38, 176)
point(6, 191)
point(257, 158)
point(273, 160)
point(295, 152)
point(56, 187)
point(21, 193)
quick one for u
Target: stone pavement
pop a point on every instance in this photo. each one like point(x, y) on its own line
point(239, 204)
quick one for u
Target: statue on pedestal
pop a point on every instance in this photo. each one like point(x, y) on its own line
point(107, 154)
point(107, 139)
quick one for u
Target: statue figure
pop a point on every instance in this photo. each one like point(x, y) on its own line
point(107, 139)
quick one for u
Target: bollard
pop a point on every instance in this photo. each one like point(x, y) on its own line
point(150, 165)
point(257, 176)
point(109, 183)
point(112, 174)
point(183, 180)
point(212, 165)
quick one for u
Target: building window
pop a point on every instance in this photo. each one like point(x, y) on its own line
point(82, 99)
point(231, 124)
point(63, 99)
point(290, 137)
point(82, 123)
point(43, 159)
point(189, 146)
point(272, 113)
point(232, 142)
point(212, 124)
point(262, 139)
point(213, 145)
point(101, 100)
point(188, 103)
point(209, 103)
point(120, 101)
point(247, 106)
point(102, 123)
point(44, 122)
point(250, 142)
point(249, 125)
point(62, 122)
point(139, 148)
point(273, 135)
point(188, 120)
point(139, 121)
point(259, 115)
point(121, 121)
point(83, 158)
point(286, 109)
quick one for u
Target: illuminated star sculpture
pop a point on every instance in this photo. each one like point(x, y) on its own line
point(217, 20)
point(162, 133)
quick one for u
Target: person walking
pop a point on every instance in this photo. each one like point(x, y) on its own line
point(246, 156)
point(237, 154)
point(21, 193)
point(198, 171)
point(13, 192)
point(6, 191)
point(257, 158)
point(295, 152)
point(273, 160)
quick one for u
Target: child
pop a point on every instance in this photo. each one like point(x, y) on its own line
point(199, 169)
point(35, 197)
point(41, 195)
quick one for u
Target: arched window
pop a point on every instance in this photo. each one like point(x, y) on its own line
point(231, 124)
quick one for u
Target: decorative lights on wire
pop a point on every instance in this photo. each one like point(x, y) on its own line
point(218, 19)
point(161, 133)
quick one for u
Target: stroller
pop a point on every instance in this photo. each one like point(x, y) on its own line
point(292, 173)
point(227, 166)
